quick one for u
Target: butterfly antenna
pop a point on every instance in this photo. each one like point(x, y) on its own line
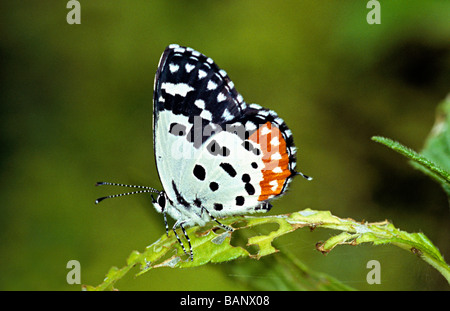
point(145, 190)
point(101, 183)
point(304, 176)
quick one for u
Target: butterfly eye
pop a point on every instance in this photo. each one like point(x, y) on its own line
point(162, 200)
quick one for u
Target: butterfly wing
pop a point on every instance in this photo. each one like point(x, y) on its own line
point(247, 164)
point(211, 148)
point(190, 84)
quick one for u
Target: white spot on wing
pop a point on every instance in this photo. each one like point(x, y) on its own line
point(263, 113)
point(255, 106)
point(275, 141)
point(201, 74)
point(274, 185)
point(250, 126)
point(265, 130)
point(275, 156)
point(218, 76)
point(179, 50)
point(176, 89)
point(173, 68)
point(278, 120)
point(277, 170)
point(211, 85)
point(221, 97)
point(189, 67)
point(227, 116)
point(206, 115)
point(200, 103)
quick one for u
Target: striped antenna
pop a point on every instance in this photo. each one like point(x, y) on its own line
point(304, 176)
point(145, 190)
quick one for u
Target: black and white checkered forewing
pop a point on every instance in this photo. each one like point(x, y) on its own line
point(190, 84)
point(193, 97)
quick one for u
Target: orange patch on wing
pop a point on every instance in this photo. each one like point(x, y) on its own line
point(275, 158)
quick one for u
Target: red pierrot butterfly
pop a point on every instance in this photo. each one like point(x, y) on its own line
point(216, 155)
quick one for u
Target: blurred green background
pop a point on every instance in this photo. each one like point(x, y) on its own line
point(76, 108)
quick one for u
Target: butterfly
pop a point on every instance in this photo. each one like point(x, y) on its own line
point(215, 154)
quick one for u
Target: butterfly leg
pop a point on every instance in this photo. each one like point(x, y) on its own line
point(191, 255)
point(228, 228)
point(165, 222)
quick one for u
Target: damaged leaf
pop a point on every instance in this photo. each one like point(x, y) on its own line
point(214, 246)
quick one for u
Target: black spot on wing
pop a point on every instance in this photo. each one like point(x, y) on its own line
point(250, 189)
point(213, 186)
point(228, 168)
point(199, 172)
point(240, 200)
point(246, 178)
point(218, 206)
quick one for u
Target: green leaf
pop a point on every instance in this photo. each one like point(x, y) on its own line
point(421, 162)
point(210, 245)
point(437, 145)
point(434, 159)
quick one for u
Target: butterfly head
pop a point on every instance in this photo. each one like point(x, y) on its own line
point(160, 202)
